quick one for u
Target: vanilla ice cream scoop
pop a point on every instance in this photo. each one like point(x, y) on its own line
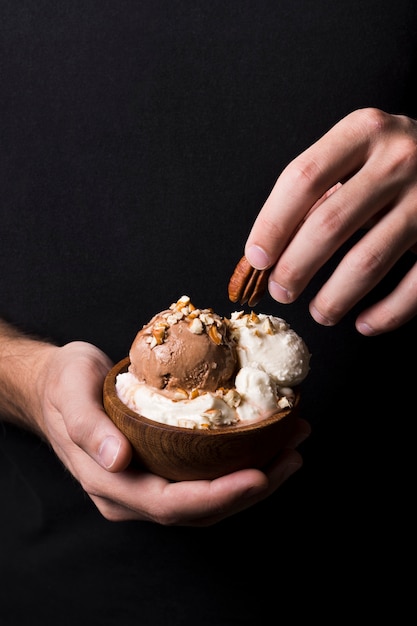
point(268, 343)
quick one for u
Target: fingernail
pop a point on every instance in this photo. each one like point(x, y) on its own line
point(365, 329)
point(257, 257)
point(320, 319)
point(108, 451)
point(279, 293)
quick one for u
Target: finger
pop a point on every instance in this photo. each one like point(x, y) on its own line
point(302, 431)
point(329, 226)
point(86, 424)
point(391, 312)
point(134, 495)
point(333, 158)
point(278, 472)
point(364, 266)
point(92, 430)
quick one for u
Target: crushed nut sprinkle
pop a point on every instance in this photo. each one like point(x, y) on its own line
point(264, 326)
point(216, 419)
point(230, 396)
point(200, 321)
point(180, 394)
point(187, 423)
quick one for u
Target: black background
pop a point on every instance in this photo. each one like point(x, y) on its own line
point(138, 142)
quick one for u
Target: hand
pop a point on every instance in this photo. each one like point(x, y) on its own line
point(98, 455)
point(362, 173)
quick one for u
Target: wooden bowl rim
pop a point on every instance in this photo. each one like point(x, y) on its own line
point(109, 392)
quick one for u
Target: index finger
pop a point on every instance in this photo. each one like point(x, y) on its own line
point(334, 157)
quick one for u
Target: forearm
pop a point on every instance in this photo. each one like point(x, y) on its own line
point(22, 359)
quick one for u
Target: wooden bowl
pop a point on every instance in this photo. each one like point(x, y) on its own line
point(178, 453)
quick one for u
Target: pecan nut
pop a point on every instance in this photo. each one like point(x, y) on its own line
point(247, 284)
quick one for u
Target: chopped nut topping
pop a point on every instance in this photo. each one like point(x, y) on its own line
point(262, 324)
point(206, 318)
point(214, 415)
point(180, 394)
point(196, 326)
point(201, 320)
point(284, 403)
point(158, 333)
point(187, 423)
point(183, 301)
point(214, 335)
point(183, 394)
point(268, 327)
point(232, 398)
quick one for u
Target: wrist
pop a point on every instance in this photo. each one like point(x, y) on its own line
point(23, 360)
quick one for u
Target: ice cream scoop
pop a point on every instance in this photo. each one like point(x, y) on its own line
point(184, 349)
point(268, 343)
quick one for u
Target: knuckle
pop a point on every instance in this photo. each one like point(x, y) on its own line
point(403, 155)
point(370, 121)
point(272, 227)
point(364, 262)
point(329, 307)
point(304, 174)
point(402, 134)
point(328, 223)
point(290, 275)
point(376, 120)
point(76, 427)
point(408, 152)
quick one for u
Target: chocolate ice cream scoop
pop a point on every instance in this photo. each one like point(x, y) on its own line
point(184, 349)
